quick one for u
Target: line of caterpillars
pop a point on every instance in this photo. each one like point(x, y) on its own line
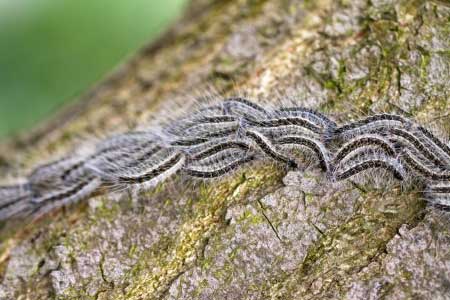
point(217, 139)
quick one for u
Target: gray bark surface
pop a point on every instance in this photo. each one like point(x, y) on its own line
point(260, 233)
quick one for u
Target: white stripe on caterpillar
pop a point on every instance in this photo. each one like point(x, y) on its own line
point(203, 125)
point(219, 171)
point(439, 187)
point(242, 107)
point(328, 126)
point(365, 140)
point(416, 165)
point(436, 142)
point(14, 200)
point(150, 172)
point(416, 144)
point(268, 148)
point(315, 146)
point(220, 159)
point(378, 122)
point(438, 193)
point(297, 121)
point(195, 141)
point(76, 190)
point(218, 148)
point(366, 163)
point(71, 194)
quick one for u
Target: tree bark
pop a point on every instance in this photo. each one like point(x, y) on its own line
point(261, 233)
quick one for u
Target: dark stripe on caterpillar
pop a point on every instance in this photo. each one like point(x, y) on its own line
point(362, 141)
point(419, 146)
point(154, 172)
point(310, 112)
point(220, 147)
point(287, 121)
point(421, 169)
point(371, 163)
point(201, 140)
point(266, 146)
point(218, 172)
point(227, 103)
point(309, 143)
point(435, 140)
point(64, 193)
point(371, 119)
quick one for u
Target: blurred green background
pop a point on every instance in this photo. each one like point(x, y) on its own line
point(51, 51)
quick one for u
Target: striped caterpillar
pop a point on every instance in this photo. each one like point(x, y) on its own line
point(217, 139)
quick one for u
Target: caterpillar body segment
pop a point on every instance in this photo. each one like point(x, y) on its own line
point(366, 163)
point(364, 141)
point(315, 146)
point(53, 174)
point(409, 140)
point(414, 163)
point(297, 121)
point(269, 149)
point(161, 163)
point(15, 200)
point(436, 144)
point(195, 141)
point(76, 190)
point(313, 115)
point(438, 194)
point(327, 125)
point(219, 148)
point(64, 196)
point(219, 170)
point(243, 108)
point(378, 120)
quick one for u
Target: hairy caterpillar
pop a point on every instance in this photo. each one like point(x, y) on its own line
point(365, 140)
point(372, 122)
point(370, 162)
point(268, 148)
point(219, 170)
point(315, 146)
point(217, 139)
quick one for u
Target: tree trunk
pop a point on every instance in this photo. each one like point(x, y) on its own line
point(261, 233)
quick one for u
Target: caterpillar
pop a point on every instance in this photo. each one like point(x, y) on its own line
point(217, 139)
point(315, 146)
point(371, 161)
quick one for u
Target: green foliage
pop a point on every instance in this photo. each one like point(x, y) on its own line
point(52, 51)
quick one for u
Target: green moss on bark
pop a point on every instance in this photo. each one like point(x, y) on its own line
point(346, 58)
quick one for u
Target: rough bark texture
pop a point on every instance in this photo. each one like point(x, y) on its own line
point(261, 233)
